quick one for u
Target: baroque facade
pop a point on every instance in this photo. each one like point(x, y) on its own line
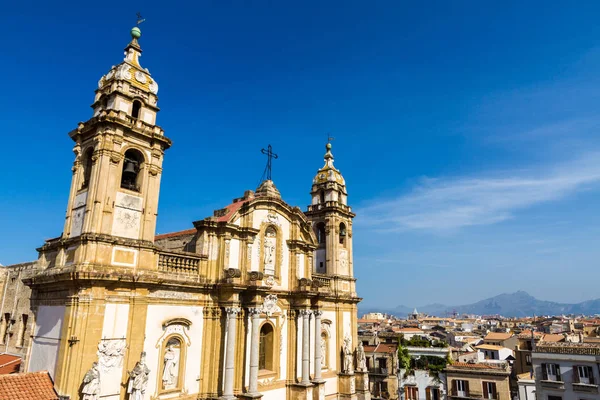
point(257, 301)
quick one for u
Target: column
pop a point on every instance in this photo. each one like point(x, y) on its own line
point(232, 313)
point(305, 346)
point(254, 347)
point(318, 339)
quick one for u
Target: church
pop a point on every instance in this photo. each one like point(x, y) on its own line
point(257, 301)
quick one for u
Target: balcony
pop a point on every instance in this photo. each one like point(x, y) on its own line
point(321, 281)
point(551, 384)
point(585, 387)
point(178, 262)
point(471, 394)
point(379, 371)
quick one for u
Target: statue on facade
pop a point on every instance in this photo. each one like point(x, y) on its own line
point(91, 383)
point(170, 367)
point(361, 358)
point(348, 359)
point(269, 251)
point(138, 379)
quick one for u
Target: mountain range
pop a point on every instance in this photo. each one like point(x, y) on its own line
point(517, 304)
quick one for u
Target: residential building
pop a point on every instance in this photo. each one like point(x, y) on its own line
point(478, 380)
point(422, 384)
point(526, 386)
point(382, 364)
point(16, 318)
point(501, 339)
point(566, 371)
point(493, 353)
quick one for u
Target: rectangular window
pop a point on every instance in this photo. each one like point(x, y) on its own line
point(412, 392)
point(461, 388)
point(489, 390)
point(528, 359)
point(554, 397)
point(583, 374)
point(551, 372)
point(435, 394)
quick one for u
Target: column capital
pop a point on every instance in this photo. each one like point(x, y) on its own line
point(305, 313)
point(254, 311)
point(317, 313)
point(232, 311)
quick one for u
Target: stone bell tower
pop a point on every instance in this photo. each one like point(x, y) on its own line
point(117, 169)
point(87, 295)
point(332, 220)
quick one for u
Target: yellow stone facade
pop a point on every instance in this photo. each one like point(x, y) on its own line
point(235, 307)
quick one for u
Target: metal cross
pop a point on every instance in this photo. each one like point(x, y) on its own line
point(330, 138)
point(270, 156)
point(139, 19)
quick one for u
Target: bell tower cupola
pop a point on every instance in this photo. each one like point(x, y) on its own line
point(331, 218)
point(118, 160)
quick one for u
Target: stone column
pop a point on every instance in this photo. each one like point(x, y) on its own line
point(254, 347)
point(318, 339)
point(232, 313)
point(305, 346)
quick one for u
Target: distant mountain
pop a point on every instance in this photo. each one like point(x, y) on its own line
point(518, 304)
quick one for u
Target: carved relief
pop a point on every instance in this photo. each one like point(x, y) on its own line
point(270, 249)
point(128, 211)
point(110, 354)
point(270, 306)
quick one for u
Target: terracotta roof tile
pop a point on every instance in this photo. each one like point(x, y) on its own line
point(9, 364)
point(497, 336)
point(175, 234)
point(489, 347)
point(29, 386)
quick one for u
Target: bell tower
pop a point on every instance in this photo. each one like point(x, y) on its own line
point(118, 164)
point(332, 221)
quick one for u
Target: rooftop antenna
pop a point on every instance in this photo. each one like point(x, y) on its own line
point(139, 19)
point(270, 156)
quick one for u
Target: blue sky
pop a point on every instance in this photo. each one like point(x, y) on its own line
point(467, 132)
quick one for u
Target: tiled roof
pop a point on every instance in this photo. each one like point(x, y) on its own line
point(408, 330)
point(489, 347)
point(549, 337)
point(175, 234)
point(231, 209)
point(497, 336)
point(385, 348)
point(9, 364)
point(29, 386)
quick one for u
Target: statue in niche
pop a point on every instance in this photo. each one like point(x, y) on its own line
point(171, 364)
point(91, 383)
point(323, 350)
point(361, 358)
point(348, 361)
point(138, 379)
point(269, 250)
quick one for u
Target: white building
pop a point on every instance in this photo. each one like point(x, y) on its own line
point(566, 371)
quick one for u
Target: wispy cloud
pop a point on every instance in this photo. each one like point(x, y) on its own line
point(452, 203)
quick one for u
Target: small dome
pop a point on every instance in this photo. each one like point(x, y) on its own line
point(329, 173)
point(136, 33)
point(267, 188)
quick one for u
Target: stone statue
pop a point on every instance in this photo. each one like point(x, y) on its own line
point(361, 359)
point(138, 379)
point(347, 350)
point(323, 351)
point(170, 367)
point(269, 249)
point(91, 383)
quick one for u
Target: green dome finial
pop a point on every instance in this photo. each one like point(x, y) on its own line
point(136, 33)
point(328, 146)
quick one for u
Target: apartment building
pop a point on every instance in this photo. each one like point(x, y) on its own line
point(478, 381)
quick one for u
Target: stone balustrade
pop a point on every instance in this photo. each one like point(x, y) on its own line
point(178, 263)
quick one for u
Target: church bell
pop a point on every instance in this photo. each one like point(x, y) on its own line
point(130, 169)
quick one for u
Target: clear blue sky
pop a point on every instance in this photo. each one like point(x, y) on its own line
point(468, 132)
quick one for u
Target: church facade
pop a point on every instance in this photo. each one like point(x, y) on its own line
point(257, 301)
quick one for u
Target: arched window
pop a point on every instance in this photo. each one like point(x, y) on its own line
point(322, 197)
point(135, 109)
point(87, 167)
point(343, 233)
point(320, 231)
point(172, 362)
point(265, 351)
point(131, 177)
